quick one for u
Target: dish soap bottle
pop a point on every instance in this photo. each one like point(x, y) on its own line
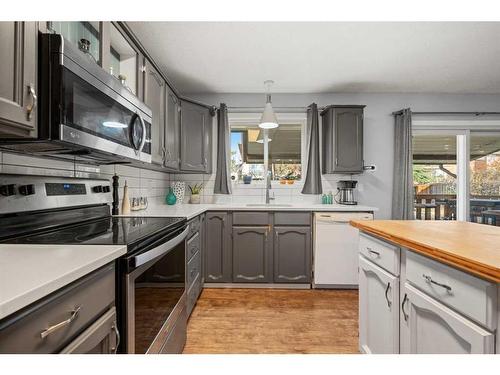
point(171, 198)
point(125, 201)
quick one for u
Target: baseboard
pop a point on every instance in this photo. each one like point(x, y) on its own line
point(256, 286)
point(330, 286)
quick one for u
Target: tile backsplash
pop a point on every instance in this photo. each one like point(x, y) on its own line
point(141, 182)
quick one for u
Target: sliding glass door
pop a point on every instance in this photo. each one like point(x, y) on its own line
point(456, 175)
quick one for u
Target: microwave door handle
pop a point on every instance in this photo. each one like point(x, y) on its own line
point(145, 257)
point(143, 140)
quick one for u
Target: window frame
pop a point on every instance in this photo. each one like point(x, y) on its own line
point(462, 129)
point(252, 118)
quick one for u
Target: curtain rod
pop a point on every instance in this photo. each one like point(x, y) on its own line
point(449, 113)
point(277, 109)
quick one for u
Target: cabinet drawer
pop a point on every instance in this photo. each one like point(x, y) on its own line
point(379, 252)
point(193, 269)
point(193, 246)
point(194, 226)
point(292, 218)
point(473, 297)
point(250, 218)
point(90, 297)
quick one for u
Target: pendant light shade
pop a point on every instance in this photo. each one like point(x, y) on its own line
point(268, 119)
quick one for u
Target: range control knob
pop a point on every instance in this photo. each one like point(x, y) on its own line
point(97, 189)
point(106, 189)
point(8, 190)
point(27, 189)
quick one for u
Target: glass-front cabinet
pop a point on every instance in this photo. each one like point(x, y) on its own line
point(123, 60)
point(86, 35)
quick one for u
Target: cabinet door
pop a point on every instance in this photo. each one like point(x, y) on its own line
point(348, 140)
point(18, 79)
point(252, 255)
point(378, 309)
point(172, 131)
point(194, 130)
point(154, 97)
point(433, 328)
point(292, 254)
point(218, 260)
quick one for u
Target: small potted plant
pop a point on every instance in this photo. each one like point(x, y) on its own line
point(195, 193)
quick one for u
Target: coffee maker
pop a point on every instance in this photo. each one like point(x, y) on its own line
point(345, 192)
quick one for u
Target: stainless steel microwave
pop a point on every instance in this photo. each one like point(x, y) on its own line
point(85, 114)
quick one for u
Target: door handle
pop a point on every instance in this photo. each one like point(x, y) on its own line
point(34, 99)
point(373, 252)
point(405, 315)
point(117, 334)
point(64, 323)
point(389, 303)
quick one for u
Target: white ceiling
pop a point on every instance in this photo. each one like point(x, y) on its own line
point(304, 57)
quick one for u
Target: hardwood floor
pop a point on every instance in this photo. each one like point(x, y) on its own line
point(274, 321)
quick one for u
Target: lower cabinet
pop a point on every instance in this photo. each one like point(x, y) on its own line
point(252, 255)
point(292, 254)
point(218, 257)
point(378, 309)
point(433, 328)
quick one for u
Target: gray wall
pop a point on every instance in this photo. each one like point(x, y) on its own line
point(376, 187)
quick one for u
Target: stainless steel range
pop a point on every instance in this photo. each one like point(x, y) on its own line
point(151, 276)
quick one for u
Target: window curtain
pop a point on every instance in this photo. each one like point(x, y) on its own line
point(223, 173)
point(312, 182)
point(402, 196)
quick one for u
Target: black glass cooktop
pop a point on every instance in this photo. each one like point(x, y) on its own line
point(105, 231)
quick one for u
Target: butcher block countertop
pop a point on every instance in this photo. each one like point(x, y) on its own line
point(471, 247)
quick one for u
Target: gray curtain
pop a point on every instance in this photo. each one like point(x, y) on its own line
point(312, 183)
point(223, 173)
point(402, 196)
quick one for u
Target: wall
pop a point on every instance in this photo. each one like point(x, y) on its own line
point(141, 182)
point(375, 188)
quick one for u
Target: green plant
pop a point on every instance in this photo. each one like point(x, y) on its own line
point(196, 188)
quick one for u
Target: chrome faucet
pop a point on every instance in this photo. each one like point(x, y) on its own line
point(268, 187)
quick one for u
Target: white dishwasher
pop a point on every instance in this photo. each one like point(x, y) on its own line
point(336, 249)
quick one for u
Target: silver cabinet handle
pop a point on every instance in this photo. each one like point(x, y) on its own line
point(34, 99)
point(405, 315)
point(429, 280)
point(373, 252)
point(62, 324)
point(389, 303)
point(117, 334)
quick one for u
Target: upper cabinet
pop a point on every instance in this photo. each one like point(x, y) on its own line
point(342, 139)
point(18, 79)
point(172, 131)
point(196, 137)
point(86, 35)
point(154, 94)
point(123, 61)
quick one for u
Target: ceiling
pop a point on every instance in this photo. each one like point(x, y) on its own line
point(319, 57)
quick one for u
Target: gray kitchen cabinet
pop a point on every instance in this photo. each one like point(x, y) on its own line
point(292, 254)
point(172, 131)
point(196, 138)
point(252, 254)
point(18, 79)
point(342, 135)
point(217, 249)
point(154, 97)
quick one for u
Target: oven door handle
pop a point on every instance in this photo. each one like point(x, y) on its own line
point(143, 258)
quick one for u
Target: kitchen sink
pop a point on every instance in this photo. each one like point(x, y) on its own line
point(268, 205)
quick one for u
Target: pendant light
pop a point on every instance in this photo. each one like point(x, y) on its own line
point(268, 119)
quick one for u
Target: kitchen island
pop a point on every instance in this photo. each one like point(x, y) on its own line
point(428, 287)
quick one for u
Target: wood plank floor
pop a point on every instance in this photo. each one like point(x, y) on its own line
point(274, 321)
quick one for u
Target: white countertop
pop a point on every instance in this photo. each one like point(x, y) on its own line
point(191, 210)
point(30, 272)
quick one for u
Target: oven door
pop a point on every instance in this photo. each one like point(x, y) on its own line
point(90, 108)
point(155, 295)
